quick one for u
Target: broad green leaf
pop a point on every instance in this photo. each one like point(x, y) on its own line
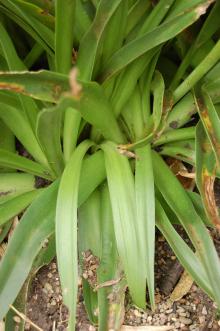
point(65, 16)
point(180, 203)
point(185, 255)
point(15, 63)
point(34, 227)
point(181, 112)
point(209, 27)
point(16, 205)
point(210, 120)
point(66, 229)
point(17, 162)
point(142, 44)
point(42, 85)
point(89, 239)
point(45, 33)
point(145, 223)
point(22, 130)
point(26, 27)
point(209, 61)
point(175, 135)
point(122, 195)
point(205, 174)
point(199, 207)
point(13, 183)
point(48, 129)
point(181, 150)
point(93, 164)
point(91, 40)
point(109, 268)
point(71, 128)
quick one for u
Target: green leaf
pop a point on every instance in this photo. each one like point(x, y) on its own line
point(16, 205)
point(34, 227)
point(145, 204)
point(65, 15)
point(122, 195)
point(71, 128)
point(91, 40)
point(210, 120)
point(205, 174)
point(22, 130)
point(109, 268)
point(13, 183)
point(48, 130)
point(149, 40)
point(42, 85)
point(185, 255)
point(180, 203)
point(66, 229)
point(17, 162)
point(16, 7)
point(89, 238)
point(209, 61)
point(175, 135)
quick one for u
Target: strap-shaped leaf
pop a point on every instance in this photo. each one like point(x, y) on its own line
point(16, 121)
point(34, 227)
point(48, 129)
point(122, 195)
point(145, 223)
point(206, 173)
point(90, 239)
point(66, 229)
point(210, 120)
point(109, 269)
point(209, 61)
point(180, 203)
point(16, 205)
point(185, 255)
point(141, 45)
point(65, 14)
point(91, 40)
point(14, 161)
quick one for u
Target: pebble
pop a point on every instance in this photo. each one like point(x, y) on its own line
point(185, 320)
point(204, 310)
point(48, 287)
point(219, 323)
point(17, 319)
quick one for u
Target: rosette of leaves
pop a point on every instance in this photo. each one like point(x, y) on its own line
point(94, 96)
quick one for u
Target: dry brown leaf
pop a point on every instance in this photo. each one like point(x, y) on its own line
point(182, 288)
point(146, 328)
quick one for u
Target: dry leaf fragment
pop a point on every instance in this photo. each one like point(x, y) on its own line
point(182, 288)
point(146, 328)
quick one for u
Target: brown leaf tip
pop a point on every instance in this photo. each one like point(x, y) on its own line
point(201, 10)
point(76, 88)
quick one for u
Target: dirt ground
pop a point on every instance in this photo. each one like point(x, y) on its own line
point(193, 311)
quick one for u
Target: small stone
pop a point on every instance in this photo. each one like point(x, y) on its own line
point(49, 275)
point(17, 319)
point(168, 311)
point(180, 310)
point(48, 287)
point(185, 320)
point(53, 303)
point(149, 319)
point(137, 313)
point(182, 314)
point(204, 310)
point(219, 323)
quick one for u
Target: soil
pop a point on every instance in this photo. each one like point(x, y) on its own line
point(194, 311)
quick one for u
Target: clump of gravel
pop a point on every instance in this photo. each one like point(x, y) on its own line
point(194, 312)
